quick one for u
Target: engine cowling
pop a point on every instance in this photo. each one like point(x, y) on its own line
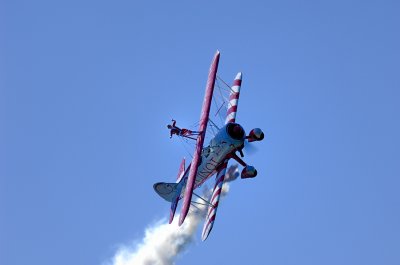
point(248, 172)
point(235, 131)
point(255, 135)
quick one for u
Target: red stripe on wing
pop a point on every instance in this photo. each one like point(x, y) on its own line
point(237, 82)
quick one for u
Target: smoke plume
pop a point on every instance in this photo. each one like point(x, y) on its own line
point(163, 242)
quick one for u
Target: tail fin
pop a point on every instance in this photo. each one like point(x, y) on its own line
point(181, 171)
point(171, 192)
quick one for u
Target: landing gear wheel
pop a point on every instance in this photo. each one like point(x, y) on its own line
point(248, 172)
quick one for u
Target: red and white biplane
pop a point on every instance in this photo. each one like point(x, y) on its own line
point(212, 159)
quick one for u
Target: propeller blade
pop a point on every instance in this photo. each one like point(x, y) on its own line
point(250, 148)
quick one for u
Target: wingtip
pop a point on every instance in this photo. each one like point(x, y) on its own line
point(180, 220)
point(239, 76)
point(205, 235)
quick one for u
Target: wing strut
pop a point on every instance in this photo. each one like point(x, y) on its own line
point(201, 198)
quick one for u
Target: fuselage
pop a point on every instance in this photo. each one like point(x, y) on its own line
point(227, 140)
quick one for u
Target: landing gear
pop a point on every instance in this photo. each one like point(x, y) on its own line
point(248, 171)
point(255, 135)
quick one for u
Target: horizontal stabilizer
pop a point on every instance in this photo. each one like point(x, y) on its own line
point(167, 191)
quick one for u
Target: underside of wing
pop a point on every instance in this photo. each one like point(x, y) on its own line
point(234, 99)
point(214, 201)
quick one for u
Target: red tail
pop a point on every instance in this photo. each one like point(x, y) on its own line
point(181, 171)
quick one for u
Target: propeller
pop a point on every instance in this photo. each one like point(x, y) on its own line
point(250, 148)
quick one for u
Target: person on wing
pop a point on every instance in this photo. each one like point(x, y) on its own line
point(178, 131)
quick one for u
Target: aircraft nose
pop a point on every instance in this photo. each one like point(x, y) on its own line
point(235, 131)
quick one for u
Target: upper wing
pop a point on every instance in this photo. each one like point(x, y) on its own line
point(200, 139)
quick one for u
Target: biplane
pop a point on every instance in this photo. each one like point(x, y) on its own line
point(212, 159)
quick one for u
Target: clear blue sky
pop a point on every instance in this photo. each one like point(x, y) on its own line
point(87, 87)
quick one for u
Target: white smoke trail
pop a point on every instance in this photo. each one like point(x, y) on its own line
point(163, 242)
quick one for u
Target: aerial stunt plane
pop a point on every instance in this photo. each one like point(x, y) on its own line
point(212, 159)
